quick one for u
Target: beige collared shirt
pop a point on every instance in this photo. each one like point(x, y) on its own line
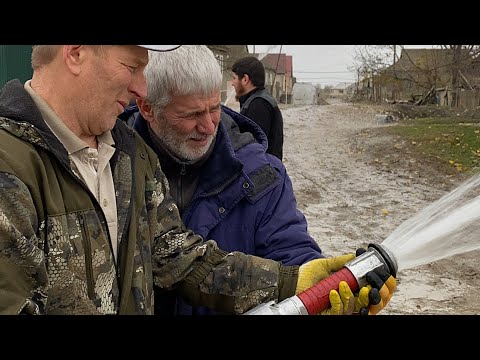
point(92, 166)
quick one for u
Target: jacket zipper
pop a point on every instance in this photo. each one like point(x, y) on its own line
point(88, 258)
point(183, 171)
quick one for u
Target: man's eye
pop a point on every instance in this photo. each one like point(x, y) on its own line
point(131, 68)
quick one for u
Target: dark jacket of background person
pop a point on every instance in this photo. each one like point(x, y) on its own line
point(243, 198)
point(262, 108)
point(54, 240)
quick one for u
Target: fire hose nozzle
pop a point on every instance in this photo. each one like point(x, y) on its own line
point(375, 257)
point(316, 299)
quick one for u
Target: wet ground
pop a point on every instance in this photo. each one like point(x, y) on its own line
point(355, 185)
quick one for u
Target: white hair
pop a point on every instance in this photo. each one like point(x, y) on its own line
point(188, 70)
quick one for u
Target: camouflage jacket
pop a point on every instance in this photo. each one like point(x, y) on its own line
point(55, 250)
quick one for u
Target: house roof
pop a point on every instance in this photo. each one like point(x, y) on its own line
point(342, 85)
point(424, 59)
point(285, 62)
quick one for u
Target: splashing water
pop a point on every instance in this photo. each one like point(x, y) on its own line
point(448, 226)
point(229, 97)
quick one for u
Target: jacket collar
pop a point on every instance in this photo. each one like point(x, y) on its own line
point(245, 97)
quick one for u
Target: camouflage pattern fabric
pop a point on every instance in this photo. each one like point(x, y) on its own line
point(55, 251)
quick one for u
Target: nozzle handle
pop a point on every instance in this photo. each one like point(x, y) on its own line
point(316, 299)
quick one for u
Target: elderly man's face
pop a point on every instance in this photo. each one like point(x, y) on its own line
point(189, 124)
point(113, 80)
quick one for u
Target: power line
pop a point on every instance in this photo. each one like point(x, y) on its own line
point(326, 78)
point(324, 72)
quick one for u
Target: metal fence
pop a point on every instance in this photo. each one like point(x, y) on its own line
point(15, 63)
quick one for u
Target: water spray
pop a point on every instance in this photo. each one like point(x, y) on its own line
point(448, 226)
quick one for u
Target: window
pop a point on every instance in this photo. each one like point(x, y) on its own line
point(219, 58)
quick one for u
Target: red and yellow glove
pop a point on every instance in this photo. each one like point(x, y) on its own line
point(342, 301)
point(315, 270)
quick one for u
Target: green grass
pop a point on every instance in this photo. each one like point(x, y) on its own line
point(453, 140)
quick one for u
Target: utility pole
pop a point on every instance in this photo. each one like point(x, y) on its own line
point(276, 70)
point(394, 70)
point(358, 80)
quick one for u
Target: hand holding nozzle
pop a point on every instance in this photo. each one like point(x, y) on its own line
point(354, 273)
point(380, 288)
point(341, 298)
point(383, 285)
point(326, 286)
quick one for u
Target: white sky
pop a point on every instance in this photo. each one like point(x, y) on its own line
point(321, 64)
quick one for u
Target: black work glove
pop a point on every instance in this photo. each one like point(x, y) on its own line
point(373, 297)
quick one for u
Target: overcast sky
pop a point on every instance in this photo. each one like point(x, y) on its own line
point(322, 64)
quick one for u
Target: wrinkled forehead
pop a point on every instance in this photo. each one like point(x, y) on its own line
point(194, 102)
point(134, 53)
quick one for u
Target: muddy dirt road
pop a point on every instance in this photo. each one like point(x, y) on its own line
point(355, 186)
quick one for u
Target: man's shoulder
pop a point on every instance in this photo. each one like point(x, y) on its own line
point(260, 105)
point(260, 100)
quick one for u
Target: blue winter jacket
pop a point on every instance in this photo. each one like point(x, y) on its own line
point(244, 201)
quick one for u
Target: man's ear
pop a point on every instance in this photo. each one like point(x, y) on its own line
point(245, 79)
point(74, 56)
point(146, 110)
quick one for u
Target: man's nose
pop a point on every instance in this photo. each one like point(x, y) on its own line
point(206, 124)
point(138, 87)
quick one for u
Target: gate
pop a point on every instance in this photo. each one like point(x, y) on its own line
point(15, 63)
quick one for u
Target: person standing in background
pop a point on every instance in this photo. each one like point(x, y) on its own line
point(256, 103)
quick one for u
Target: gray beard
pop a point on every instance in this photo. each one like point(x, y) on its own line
point(178, 147)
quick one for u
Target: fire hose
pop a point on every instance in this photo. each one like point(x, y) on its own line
point(316, 299)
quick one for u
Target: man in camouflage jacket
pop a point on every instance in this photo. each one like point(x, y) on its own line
point(56, 254)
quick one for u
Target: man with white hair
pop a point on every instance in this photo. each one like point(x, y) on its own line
point(226, 185)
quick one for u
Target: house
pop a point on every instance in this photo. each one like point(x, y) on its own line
point(278, 68)
point(281, 74)
point(226, 56)
point(417, 71)
point(340, 90)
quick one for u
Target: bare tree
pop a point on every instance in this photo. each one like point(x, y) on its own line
point(445, 65)
point(369, 61)
point(461, 58)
